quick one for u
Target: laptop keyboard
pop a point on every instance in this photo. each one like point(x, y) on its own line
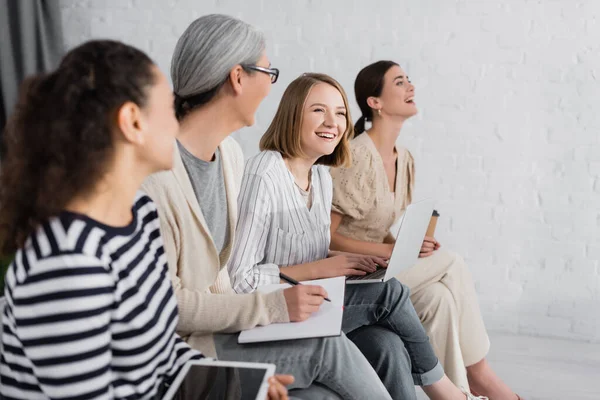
point(380, 273)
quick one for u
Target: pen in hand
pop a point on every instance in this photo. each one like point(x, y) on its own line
point(292, 281)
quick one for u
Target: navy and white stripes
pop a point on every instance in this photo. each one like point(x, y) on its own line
point(90, 312)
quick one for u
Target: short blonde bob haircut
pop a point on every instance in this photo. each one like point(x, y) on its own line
point(283, 135)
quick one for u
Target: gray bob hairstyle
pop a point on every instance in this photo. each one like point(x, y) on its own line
point(205, 54)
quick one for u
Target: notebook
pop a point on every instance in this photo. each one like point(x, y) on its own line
point(325, 322)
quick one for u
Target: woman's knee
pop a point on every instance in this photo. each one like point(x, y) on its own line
point(383, 348)
point(375, 340)
point(398, 288)
point(456, 263)
point(436, 298)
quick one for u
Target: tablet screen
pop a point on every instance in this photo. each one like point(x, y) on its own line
point(206, 382)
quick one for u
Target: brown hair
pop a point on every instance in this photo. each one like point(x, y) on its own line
point(283, 135)
point(59, 140)
point(369, 83)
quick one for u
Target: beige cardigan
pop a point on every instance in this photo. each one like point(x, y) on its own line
point(207, 303)
point(362, 193)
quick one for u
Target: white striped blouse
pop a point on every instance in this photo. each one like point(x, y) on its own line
point(90, 312)
point(275, 228)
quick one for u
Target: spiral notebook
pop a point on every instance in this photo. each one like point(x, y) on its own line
point(325, 322)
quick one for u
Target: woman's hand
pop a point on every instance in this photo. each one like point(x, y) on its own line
point(428, 247)
point(277, 384)
point(348, 264)
point(303, 300)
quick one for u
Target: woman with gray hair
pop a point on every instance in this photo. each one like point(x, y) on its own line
point(221, 73)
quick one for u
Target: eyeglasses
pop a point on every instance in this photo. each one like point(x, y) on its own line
point(274, 72)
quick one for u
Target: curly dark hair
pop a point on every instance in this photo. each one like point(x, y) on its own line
point(59, 139)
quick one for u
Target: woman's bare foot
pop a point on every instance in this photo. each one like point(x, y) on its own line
point(444, 389)
point(484, 381)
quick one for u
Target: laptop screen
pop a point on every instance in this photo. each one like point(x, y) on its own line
point(206, 382)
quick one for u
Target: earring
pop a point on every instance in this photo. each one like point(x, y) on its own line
point(379, 112)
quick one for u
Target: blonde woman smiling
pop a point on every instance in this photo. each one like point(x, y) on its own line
point(283, 225)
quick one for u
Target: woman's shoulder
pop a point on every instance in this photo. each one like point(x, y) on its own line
point(231, 148)
point(362, 141)
point(163, 189)
point(321, 173)
point(66, 242)
point(143, 205)
point(363, 150)
point(264, 164)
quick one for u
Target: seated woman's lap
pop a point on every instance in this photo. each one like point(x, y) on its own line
point(388, 305)
point(431, 269)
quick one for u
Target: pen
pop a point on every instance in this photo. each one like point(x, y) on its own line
point(292, 281)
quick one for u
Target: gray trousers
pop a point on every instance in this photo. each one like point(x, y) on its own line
point(387, 305)
point(382, 324)
point(335, 363)
point(381, 321)
point(388, 356)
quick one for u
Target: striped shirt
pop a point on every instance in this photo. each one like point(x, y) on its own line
point(90, 312)
point(275, 228)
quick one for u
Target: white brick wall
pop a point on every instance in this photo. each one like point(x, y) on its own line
point(506, 139)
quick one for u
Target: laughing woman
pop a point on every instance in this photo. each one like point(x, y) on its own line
point(283, 225)
point(368, 198)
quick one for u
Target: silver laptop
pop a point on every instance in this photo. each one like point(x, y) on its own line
point(408, 244)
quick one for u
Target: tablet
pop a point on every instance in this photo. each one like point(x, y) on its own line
point(211, 380)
